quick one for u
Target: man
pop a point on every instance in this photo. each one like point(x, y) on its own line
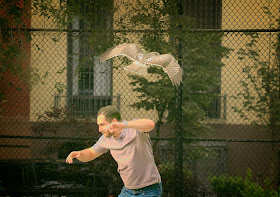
point(130, 145)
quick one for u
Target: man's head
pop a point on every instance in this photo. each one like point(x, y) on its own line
point(107, 115)
point(110, 112)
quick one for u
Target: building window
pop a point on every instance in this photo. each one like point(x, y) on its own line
point(89, 84)
point(207, 14)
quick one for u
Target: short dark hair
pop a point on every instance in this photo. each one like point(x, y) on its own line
point(110, 112)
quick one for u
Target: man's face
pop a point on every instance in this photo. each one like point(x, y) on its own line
point(103, 123)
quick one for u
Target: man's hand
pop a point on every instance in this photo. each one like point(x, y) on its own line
point(73, 155)
point(115, 127)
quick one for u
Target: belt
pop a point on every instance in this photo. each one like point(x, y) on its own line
point(154, 186)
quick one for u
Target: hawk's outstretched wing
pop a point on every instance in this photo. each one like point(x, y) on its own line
point(141, 60)
point(169, 65)
point(129, 50)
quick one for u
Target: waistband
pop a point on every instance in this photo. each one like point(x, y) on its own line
point(154, 186)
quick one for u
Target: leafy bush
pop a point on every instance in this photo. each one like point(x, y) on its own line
point(192, 186)
point(237, 186)
point(1, 186)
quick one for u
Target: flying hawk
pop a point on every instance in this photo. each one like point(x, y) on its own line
point(141, 60)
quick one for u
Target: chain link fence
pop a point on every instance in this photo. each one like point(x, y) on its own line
point(227, 105)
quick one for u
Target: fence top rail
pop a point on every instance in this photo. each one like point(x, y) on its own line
point(152, 138)
point(144, 30)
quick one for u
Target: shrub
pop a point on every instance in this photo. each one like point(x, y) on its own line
point(237, 186)
point(192, 186)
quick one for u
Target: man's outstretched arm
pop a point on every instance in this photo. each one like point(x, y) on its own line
point(83, 155)
point(144, 125)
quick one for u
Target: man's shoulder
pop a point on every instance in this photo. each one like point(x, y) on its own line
point(104, 139)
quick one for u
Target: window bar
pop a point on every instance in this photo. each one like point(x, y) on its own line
point(211, 11)
point(200, 18)
point(216, 18)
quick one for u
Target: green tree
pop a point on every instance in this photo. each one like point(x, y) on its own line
point(260, 93)
point(261, 85)
point(166, 30)
point(94, 27)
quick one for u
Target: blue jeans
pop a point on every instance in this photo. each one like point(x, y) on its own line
point(152, 191)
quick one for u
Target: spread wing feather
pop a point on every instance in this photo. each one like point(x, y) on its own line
point(141, 59)
point(129, 50)
point(170, 65)
point(137, 67)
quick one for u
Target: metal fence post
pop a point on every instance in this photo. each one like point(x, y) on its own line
point(178, 143)
point(178, 121)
